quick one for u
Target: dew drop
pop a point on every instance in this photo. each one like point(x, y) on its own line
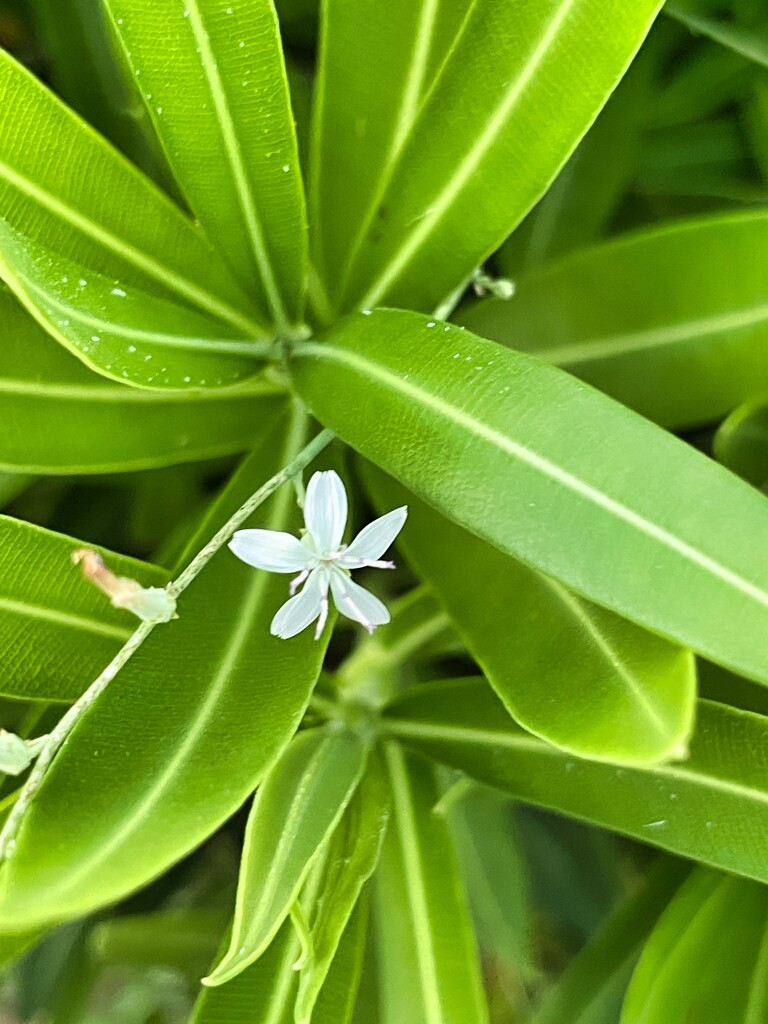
point(131, 348)
point(431, 323)
point(187, 380)
point(367, 312)
point(95, 337)
point(119, 291)
point(286, 167)
point(82, 282)
point(159, 110)
point(64, 279)
point(241, 44)
point(147, 358)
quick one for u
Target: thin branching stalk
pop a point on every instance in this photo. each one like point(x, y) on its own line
point(62, 730)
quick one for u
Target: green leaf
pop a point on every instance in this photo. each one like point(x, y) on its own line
point(338, 996)
point(516, 91)
point(214, 81)
point(712, 807)
point(686, 969)
point(61, 418)
point(604, 961)
point(353, 853)
point(567, 670)
point(427, 958)
point(374, 74)
point(650, 319)
point(748, 44)
point(58, 630)
point(180, 737)
point(296, 809)
point(263, 993)
point(586, 193)
point(124, 333)
point(496, 875)
point(741, 442)
point(69, 198)
point(553, 473)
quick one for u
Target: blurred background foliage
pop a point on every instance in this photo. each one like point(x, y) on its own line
point(685, 133)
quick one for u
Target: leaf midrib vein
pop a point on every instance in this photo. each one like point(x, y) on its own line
point(468, 166)
point(125, 250)
point(238, 167)
point(537, 462)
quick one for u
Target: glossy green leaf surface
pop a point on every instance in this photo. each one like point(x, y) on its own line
point(569, 671)
point(168, 752)
point(59, 417)
point(214, 82)
point(265, 992)
point(605, 959)
point(296, 809)
point(712, 807)
point(686, 969)
point(741, 442)
point(353, 852)
point(554, 473)
point(515, 95)
point(56, 629)
point(426, 949)
point(651, 319)
point(124, 333)
point(374, 74)
point(69, 199)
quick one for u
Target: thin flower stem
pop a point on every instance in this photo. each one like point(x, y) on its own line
point(65, 726)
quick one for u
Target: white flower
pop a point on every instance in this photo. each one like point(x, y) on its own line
point(322, 561)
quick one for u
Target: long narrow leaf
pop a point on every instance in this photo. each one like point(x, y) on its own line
point(650, 318)
point(517, 93)
point(295, 811)
point(222, 111)
point(553, 473)
point(572, 673)
point(427, 958)
point(712, 807)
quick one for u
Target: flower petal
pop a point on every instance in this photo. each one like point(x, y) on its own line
point(325, 511)
point(271, 550)
point(356, 602)
point(302, 610)
point(372, 541)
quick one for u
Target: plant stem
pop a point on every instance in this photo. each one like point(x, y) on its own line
point(65, 726)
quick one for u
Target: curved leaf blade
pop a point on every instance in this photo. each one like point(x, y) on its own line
point(124, 333)
point(713, 807)
point(553, 473)
point(650, 319)
point(168, 752)
point(517, 93)
point(60, 418)
point(64, 189)
point(224, 117)
point(353, 853)
point(574, 674)
point(296, 809)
